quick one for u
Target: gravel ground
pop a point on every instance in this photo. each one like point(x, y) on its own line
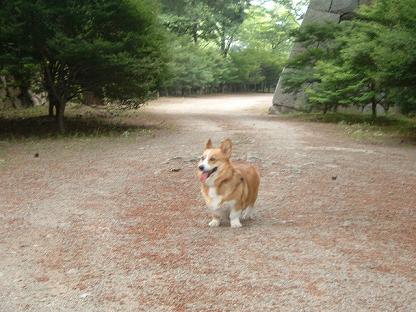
point(118, 224)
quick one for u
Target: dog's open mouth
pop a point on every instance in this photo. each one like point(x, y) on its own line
point(206, 174)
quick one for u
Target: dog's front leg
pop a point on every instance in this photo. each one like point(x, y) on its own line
point(214, 204)
point(235, 215)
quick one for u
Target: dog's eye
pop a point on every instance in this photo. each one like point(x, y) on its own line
point(212, 159)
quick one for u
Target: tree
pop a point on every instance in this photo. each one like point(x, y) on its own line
point(262, 45)
point(337, 86)
point(394, 54)
point(107, 45)
point(15, 64)
point(227, 16)
point(369, 60)
point(188, 17)
point(191, 69)
point(209, 20)
point(336, 68)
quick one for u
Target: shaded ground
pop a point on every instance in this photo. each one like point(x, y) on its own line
point(104, 224)
point(34, 123)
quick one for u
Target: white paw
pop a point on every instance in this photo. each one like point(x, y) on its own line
point(214, 223)
point(235, 223)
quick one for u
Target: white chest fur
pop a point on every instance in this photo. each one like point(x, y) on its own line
point(216, 199)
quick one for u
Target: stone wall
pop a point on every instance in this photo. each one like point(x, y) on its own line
point(319, 11)
point(9, 94)
point(12, 96)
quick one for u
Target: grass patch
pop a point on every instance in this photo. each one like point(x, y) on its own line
point(383, 129)
point(80, 122)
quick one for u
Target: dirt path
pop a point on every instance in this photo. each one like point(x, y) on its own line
point(105, 225)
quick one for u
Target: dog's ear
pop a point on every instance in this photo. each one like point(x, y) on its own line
point(226, 147)
point(209, 144)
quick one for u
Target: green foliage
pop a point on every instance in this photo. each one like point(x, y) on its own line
point(217, 21)
point(262, 47)
point(189, 18)
point(108, 46)
point(335, 88)
point(227, 17)
point(370, 60)
point(268, 29)
point(225, 46)
point(192, 68)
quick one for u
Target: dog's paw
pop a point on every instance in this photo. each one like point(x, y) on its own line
point(214, 223)
point(235, 223)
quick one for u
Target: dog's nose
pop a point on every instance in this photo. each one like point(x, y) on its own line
point(201, 167)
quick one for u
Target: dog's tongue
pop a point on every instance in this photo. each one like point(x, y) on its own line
point(203, 177)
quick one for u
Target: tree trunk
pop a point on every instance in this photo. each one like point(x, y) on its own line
point(195, 32)
point(51, 106)
point(373, 102)
point(373, 109)
point(223, 46)
point(59, 117)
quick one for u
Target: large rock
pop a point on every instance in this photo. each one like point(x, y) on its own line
point(321, 5)
point(285, 102)
point(343, 6)
point(313, 16)
point(319, 11)
point(13, 95)
point(38, 99)
point(3, 93)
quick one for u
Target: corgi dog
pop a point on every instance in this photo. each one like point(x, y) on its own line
point(229, 189)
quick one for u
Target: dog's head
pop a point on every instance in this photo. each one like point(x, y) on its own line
point(213, 160)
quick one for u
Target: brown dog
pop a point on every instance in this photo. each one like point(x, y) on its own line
point(228, 188)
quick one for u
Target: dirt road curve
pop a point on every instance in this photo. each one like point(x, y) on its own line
point(106, 225)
